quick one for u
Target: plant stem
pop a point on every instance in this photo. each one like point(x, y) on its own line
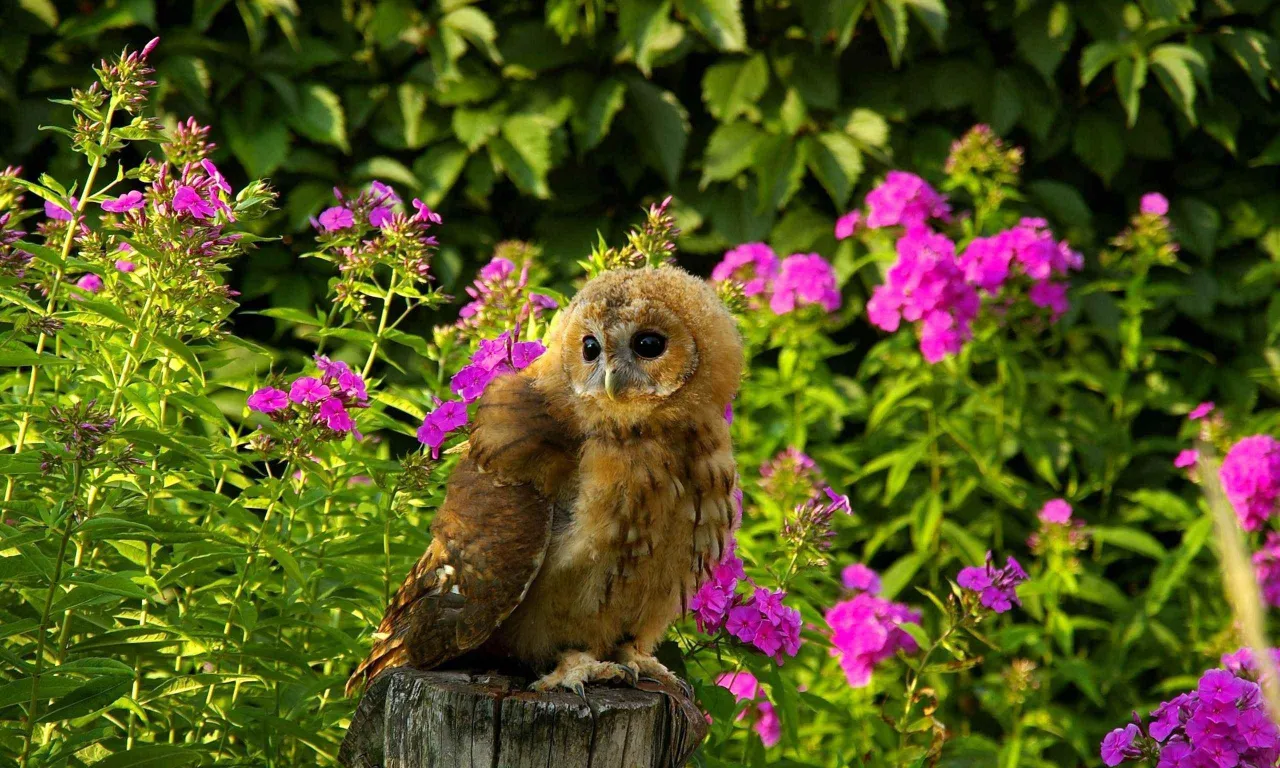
point(32, 383)
point(382, 324)
point(44, 617)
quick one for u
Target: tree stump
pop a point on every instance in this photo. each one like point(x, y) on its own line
point(414, 719)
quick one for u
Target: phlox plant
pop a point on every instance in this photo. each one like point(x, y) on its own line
point(941, 556)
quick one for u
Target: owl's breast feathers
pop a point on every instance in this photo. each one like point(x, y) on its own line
point(489, 537)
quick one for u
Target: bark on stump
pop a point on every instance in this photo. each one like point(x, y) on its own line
point(414, 719)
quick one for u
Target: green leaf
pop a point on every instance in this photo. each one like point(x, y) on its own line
point(720, 21)
point(1044, 35)
point(661, 126)
point(1198, 224)
point(592, 124)
point(1131, 539)
point(868, 128)
point(933, 15)
point(438, 170)
point(1256, 53)
point(779, 163)
point(90, 697)
point(731, 88)
point(1178, 67)
point(319, 116)
point(898, 575)
point(151, 756)
point(22, 358)
point(474, 25)
point(524, 152)
point(184, 353)
point(832, 20)
point(44, 10)
point(1131, 76)
point(836, 161)
point(385, 169)
point(1168, 10)
point(261, 148)
point(1099, 142)
point(474, 127)
point(640, 26)
point(730, 151)
point(891, 18)
point(1097, 57)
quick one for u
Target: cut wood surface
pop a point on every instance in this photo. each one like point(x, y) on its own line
point(414, 719)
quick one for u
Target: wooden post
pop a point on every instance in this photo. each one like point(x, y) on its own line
point(413, 719)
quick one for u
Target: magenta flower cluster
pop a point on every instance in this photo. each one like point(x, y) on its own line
point(996, 587)
point(867, 629)
point(1266, 564)
point(763, 717)
point(499, 290)
point(325, 400)
point(1223, 723)
point(926, 286)
point(905, 200)
point(939, 289)
point(493, 358)
point(1250, 476)
point(1027, 250)
point(801, 279)
point(760, 620)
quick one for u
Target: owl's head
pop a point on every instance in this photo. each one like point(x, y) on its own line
point(652, 344)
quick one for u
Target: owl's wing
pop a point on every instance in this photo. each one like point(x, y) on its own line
point(489, 537)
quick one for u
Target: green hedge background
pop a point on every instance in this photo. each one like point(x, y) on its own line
point(766, 118)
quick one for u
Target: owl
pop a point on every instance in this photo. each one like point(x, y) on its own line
point(594, 496)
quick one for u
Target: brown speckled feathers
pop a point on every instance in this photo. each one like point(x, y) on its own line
point(489, 537)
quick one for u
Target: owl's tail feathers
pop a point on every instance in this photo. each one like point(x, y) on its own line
point(388, 652)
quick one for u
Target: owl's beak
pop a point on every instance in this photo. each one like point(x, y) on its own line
point(610, 383)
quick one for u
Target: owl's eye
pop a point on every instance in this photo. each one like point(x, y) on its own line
point(648, 344)
point(590, 348)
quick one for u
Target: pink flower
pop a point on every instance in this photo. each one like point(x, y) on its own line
point(267, 400)
point(805, 279)
point(334, 416)
point(995, 586)
point(1266, 563)
point(216, 176)
point(1056, 511)
point(860, 578)
point(493, 358)
point(905, 199)
point(307, 389)
point(424, 213)
point(336, 218)
point(1200, 411)
point(89, 283)
point(847, 224)
point(124, 265)
point(57, 212)
point(763, 621)
point(744, 687)
point(1154, 202)
point(436, 425)
point(1250, 476)
point(1047, 293)
point(926, 286)
point(866, 630)
point(187, 200)
point(1186, 458)
point(1116, 746)
point(754, 265)
point(126, 202)
point(381, 216)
